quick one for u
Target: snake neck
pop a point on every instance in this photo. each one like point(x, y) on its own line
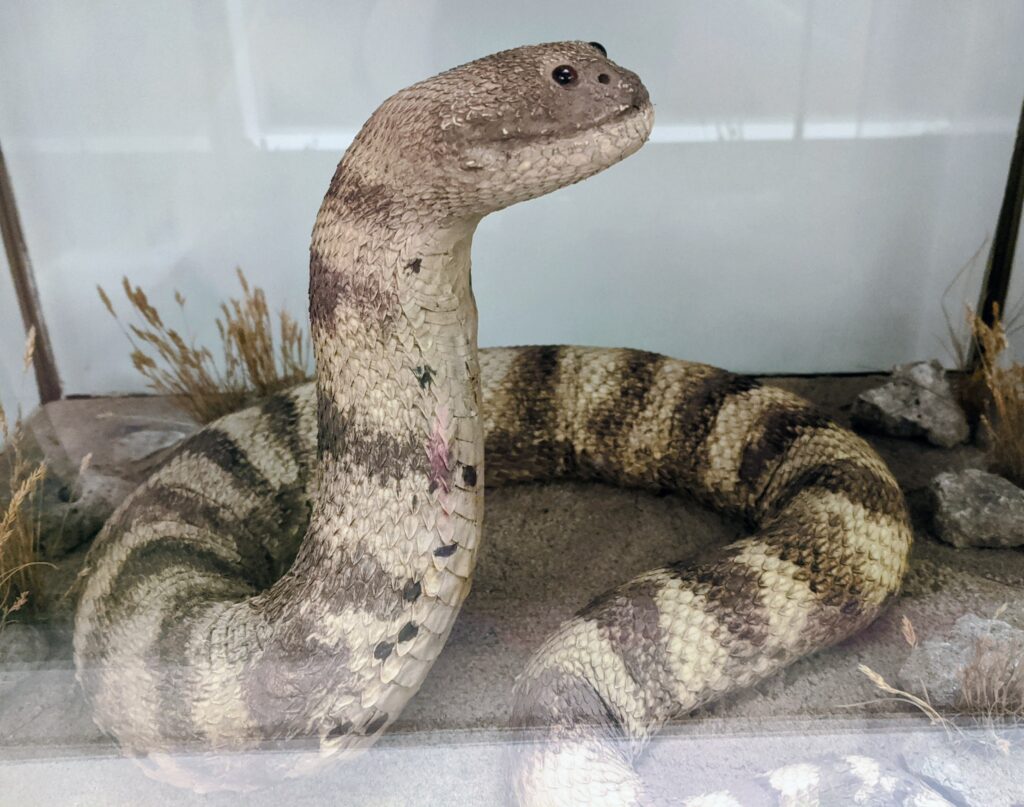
point(399, 434)
point(398, 505)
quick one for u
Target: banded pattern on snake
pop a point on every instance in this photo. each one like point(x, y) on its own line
point(295, 568)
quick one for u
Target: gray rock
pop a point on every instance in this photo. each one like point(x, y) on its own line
point(74, 511)
point(125, 438)
point(970, 777)
point(23, 650)
point(936, 666)
point(916, 402)
point(139, 445)
point(76, 504)
point(976, 508)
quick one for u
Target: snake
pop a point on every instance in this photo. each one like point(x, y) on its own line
point(291, 572)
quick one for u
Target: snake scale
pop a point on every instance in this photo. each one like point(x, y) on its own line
point(294, 569)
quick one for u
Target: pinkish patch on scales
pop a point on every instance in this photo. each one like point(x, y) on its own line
point(439, 455)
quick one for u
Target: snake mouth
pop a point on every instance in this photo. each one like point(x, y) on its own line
point(639, 114)
point(636, 118)
point(641, 111)
point(641, 107)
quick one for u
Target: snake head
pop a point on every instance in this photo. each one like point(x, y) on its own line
point(505, 128)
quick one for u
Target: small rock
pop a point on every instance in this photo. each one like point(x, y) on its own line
point(73, 512)
point(139, 445)
point(23, 649)
point(916, 402)
point(936, 666)
point(973, 778)
point(976, 508)
point(126, 440)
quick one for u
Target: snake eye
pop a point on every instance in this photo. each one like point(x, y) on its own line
point(564, 75)
point(598, 46)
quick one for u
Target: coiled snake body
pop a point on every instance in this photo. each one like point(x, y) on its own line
point(295, 568)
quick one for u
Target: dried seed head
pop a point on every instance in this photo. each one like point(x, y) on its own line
point(30, 348)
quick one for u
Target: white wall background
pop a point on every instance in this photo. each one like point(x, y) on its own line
point(819, 172)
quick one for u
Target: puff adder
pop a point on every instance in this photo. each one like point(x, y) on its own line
point(294, 569)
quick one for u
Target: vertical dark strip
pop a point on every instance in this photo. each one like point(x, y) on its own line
point(283, 422)
point(25, 289)
point(1004, 244)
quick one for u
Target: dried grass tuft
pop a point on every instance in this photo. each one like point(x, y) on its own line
point(994, 383)
point(991, 696)
point(999, 383)
point(251, 367)
point(993, 684)
point(20, 512)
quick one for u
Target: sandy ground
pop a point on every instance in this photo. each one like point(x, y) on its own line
point(548, 550)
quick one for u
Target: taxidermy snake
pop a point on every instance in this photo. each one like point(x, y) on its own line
point(294, 569)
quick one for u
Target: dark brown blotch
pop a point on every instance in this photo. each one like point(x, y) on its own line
point(383, 650)
point(340, 730)
point(780, 428)
point(408, 632)
point(424, 375)
point(614, 416)
point(353, 197)
point(221, 450)
point(378, 454)
point(733, 594)
point(861, 484)
point(282, 416)
point(162, 501)
point(446, 550)
point(695, 415)
point(629, 618)
point(359, 287)
point(376, 724)
point(527, 446)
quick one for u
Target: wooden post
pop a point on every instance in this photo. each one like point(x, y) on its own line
point(25, 289)
point(1004, 244)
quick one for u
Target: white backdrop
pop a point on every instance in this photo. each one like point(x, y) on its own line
point(819, 172)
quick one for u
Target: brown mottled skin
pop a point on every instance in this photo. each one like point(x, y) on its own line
point(295, 568)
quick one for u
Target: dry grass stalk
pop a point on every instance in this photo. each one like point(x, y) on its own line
point(909, 634)
point(971, 384)
point(921, 703)
point(251, 367)
point(20, 515)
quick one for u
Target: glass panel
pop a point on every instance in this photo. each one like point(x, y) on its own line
point(818, 195)
point(842, 161)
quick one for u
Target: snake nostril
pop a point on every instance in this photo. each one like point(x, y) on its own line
point(603, 78)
